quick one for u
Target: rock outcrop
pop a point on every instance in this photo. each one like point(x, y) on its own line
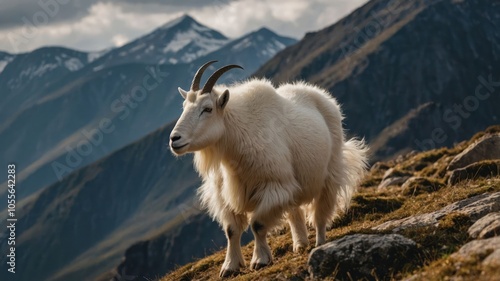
point(481, 169)
point(486, 227)
point(394, 177)
point(475, 207)
point(486, 148)
point(488, 250)
point(362, 256)
point(418, 185)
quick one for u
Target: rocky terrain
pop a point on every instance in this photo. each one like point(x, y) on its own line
point(412, 219)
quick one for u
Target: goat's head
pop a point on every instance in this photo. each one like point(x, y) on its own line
point(201, 123)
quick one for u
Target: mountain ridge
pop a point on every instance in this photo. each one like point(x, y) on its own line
point(382, 63)
point(181, 40)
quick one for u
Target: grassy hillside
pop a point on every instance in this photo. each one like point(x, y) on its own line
point(373, 206)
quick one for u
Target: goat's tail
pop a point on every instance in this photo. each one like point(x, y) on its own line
point(345, 172)
point(355, 163)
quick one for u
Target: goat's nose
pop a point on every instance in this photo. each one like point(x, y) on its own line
point(175, 138)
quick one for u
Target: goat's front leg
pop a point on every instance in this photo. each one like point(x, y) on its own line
point(233, 225)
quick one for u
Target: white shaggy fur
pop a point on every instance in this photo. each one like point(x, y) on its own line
point(267, 153)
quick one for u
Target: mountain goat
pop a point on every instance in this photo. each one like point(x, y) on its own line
point(264, 154)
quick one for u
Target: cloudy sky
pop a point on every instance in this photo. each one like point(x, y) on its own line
point(92, 25)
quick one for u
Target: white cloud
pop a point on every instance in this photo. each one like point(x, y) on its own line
point(119, 40)
point(113, 23)
point(103, 26)
point(287, 17)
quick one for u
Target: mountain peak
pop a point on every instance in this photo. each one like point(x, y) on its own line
point(180, 21)
point(265, 30)
point(181, 40)
point(266, 33)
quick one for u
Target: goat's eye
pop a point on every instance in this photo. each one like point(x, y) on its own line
point(207, 109)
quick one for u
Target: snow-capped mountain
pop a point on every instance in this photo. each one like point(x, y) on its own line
point(24, 76)
point(250, 51)
point(179, 41)
point(18, 70)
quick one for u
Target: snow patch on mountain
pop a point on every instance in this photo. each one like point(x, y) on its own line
point(180, 41)
point(245, 43)
point(272, 44)
point(4, 62)
point(200, 28)
point(273, 48)
point(38, 71)
point(278, 44)
point(97, 68)
point(138, 47)
point(92, 56)
point(73, 64)
point(198, 42)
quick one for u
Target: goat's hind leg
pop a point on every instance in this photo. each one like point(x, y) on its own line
point(324, 209)
point(233, 225)
point(298, 228)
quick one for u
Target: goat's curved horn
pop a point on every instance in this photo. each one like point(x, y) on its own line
point(195, 85)
point(217, 74)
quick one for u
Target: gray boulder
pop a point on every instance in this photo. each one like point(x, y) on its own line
point(362, 256)
point(486, 148)
point(392, 181)
point(394, 177)
point(481, 169)
point(493, 259)
point(418, 185)
point(486, 227)
point(487, 249)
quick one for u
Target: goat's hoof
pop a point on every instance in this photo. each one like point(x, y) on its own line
point(320, 242)
point(299, 248)
point(257, 266)
point(224, 273)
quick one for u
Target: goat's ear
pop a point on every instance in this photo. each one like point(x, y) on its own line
point(223, 99)
point(182, 92)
